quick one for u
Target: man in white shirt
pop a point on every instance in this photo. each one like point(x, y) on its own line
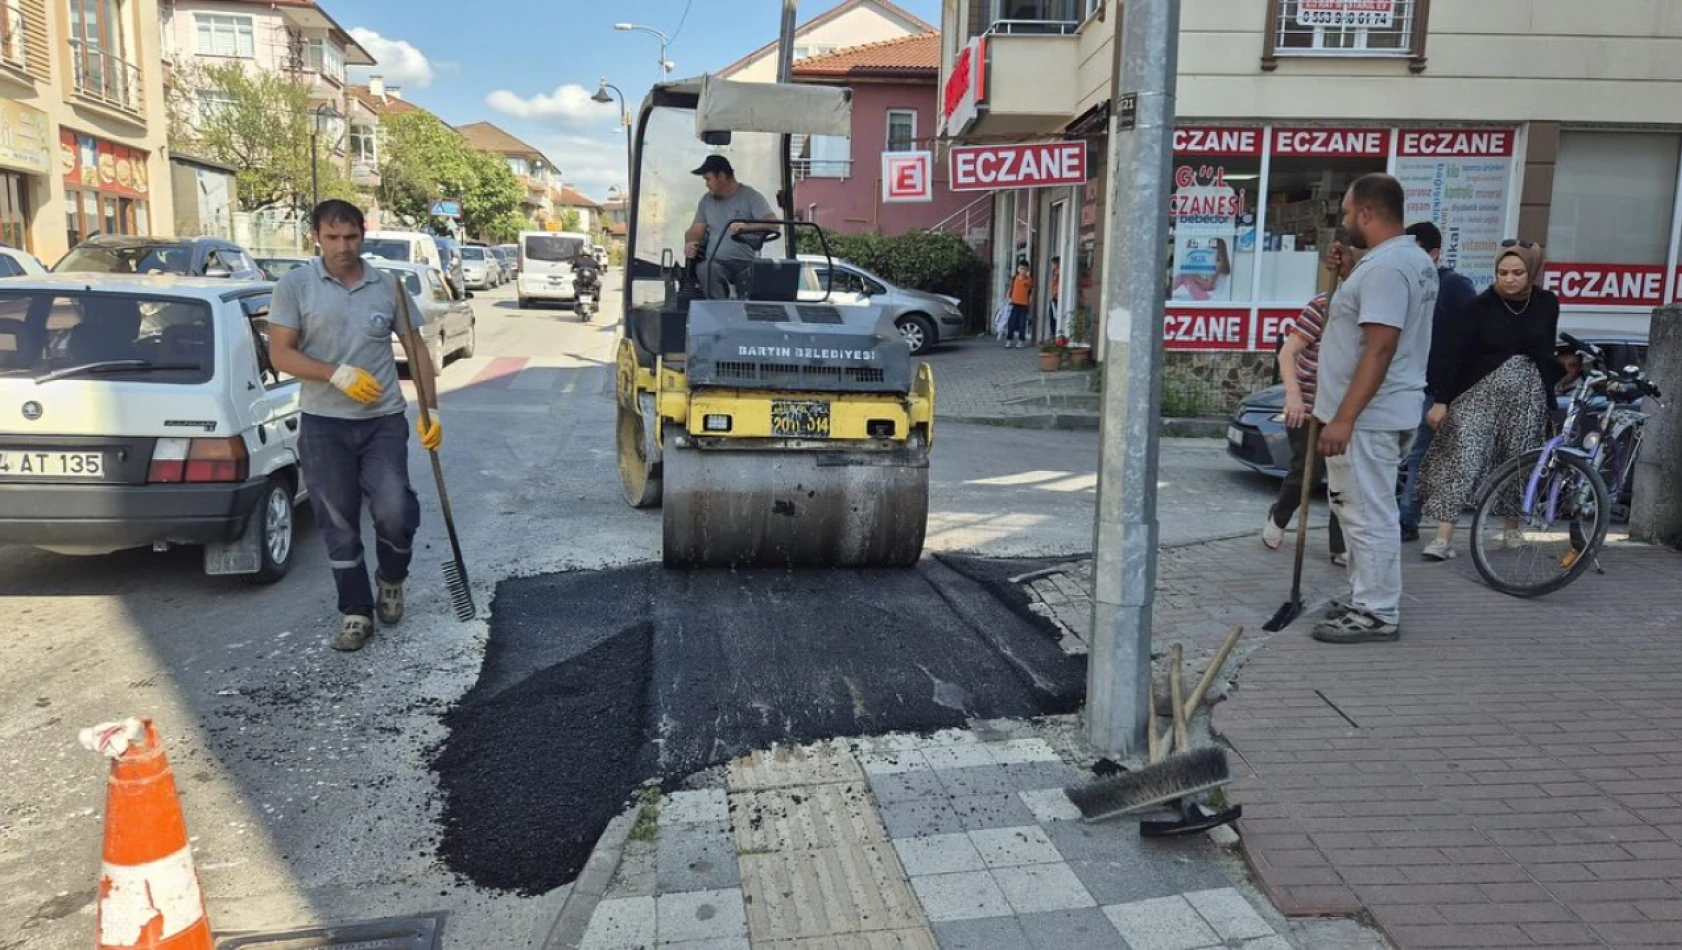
point(1372, 377)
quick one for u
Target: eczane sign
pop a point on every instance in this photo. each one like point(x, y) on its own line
point(966, 88)
point(1035, 165)
point(907, 176)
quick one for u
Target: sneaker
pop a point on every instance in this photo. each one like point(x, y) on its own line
point(353, 632)
point(1272, 535)
point(1511, 540)
point(1409, 535)
point(1337, 608)
point(1341, 560)
point(390, 609)
point(1355, 626)
point(1439, 550)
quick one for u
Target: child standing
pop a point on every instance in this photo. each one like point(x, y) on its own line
point(1021, 291)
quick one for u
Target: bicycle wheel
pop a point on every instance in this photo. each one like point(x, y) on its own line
point(1531, 550)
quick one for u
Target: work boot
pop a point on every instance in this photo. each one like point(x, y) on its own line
point(390, 609)
point(353, 632)
point(1355, 626)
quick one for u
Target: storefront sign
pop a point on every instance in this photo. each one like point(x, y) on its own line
point(966, 88)
point(25, 145)
point(1339, 13)
point(907, 176)
point(1458, 179)
point(1335, 143)
point(1606, 285)
point(1036, 165)
point(1270, 326)
point(1206, 211)
point(90, 162)
point(1206, 329)
point(1196, 140)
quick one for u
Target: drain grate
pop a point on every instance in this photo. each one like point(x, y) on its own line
point(421, 932)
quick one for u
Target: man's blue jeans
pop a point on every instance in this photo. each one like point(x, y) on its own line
point(1409, 501)
point(345, 461)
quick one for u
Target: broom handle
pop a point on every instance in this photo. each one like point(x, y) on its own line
point(1302, 508)
point(1213, 671)
point(406, 332)
point(1175, 688)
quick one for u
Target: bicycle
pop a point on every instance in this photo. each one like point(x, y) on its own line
point(1550, 506)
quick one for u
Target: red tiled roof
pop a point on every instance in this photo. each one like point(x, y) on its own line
point(379, 106)
point(835, 12)
point(571, 198)
point(902, 56)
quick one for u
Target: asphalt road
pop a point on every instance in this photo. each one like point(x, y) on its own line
point(307, 776)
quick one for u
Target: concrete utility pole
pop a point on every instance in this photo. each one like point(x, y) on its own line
point(1125, 542)
point(1656, 510)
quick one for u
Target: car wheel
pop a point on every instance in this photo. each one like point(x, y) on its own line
point(273, 519)
point(525, 304)
point(918, 331)
point(439, 355)
point(472, 343)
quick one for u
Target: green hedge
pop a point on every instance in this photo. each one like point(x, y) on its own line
point(922, 260)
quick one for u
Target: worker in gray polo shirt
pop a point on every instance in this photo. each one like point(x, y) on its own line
point(330, 325)
point(727, 209)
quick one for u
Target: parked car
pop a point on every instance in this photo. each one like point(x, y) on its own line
point(451, 329)
point(480, 268)
point(148, 415)
point(509, 254)
point(274, 267)
point(599, 253)
point(1256, 438)
point(16, 263)
point(924, 319)
point(450, 249)
point(413, 246)
point(189, 257)
point(546, 265)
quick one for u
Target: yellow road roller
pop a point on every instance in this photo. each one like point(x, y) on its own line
point(772, 425)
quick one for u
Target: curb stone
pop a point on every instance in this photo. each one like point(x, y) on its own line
point(567, 932)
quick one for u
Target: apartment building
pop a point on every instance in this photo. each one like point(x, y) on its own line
point(82, 123)
point(1554, 121)
point(534, 169)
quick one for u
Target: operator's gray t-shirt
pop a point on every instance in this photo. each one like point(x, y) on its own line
point(717, 213)
point(1395, 284)
point(343, 325)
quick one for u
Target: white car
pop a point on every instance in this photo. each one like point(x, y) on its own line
point(141, 411)
point(546, 265)
point(16, 263)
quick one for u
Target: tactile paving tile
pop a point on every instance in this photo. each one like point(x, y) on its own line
point(783, 766)
point(805, 818)
point(827, 893)
point(914, 939)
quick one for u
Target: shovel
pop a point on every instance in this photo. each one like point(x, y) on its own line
point(1291, 609)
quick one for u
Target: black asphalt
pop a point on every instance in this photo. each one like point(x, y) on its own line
point(596, 682)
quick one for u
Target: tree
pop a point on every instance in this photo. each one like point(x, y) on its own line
point(260, 123)
point(424, 160)
point(571, 220)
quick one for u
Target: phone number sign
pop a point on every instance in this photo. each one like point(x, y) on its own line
point(1341, 13)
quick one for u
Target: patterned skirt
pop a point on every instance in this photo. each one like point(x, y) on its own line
point(1502, 416)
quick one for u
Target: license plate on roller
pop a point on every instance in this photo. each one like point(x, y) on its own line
point(799, 419)
point(14, 463)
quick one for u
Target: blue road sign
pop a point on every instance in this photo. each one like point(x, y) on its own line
point(446, 208)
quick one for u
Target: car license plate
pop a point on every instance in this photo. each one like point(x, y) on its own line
point(52, 464)
point(800, 419)
point(1234, 435)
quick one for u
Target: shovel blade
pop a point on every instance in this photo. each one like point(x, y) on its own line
point(1288, 612)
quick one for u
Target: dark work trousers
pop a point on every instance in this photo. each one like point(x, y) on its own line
point(345, 461)
point(726, 278)
point(1290, 493)
point(1017, 328)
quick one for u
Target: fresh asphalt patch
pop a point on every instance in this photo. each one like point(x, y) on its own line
point(597, 682)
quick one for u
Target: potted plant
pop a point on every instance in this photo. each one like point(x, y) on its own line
point(1051, 355)
point(1080, 328)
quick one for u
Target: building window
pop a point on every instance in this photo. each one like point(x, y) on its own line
point(12, 35)
point(826, 156)
point(1038, 16)
point(902, 130)
point(325, 58)
point(97, 49)
point(1346, 28)
point(224, 35)
point(802, 52)
point(1613, 197)
point(364, 145)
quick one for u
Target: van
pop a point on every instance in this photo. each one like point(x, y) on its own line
point(412, 246)
point(546, 265)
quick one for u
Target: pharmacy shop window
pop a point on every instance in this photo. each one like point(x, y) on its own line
point(1304, 215)
point(1213, 227)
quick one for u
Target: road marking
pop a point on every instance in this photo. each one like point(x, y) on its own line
point(500, 372)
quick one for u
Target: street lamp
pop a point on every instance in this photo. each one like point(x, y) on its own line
point(665, 41)
point(323, 114)
point(602, 97)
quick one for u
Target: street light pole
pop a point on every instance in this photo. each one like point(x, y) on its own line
point(1125, 540)
point(665, 41)
point(325, 110)
point(624, 117)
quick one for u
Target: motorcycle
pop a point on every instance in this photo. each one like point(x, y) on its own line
point(588, 285)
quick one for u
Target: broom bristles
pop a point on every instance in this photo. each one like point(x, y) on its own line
point(1174, 777)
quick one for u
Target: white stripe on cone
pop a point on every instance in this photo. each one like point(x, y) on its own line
point(132, 895)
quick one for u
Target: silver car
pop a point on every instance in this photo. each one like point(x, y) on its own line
point(480, 268)
point(924, 319)
point(450, 325)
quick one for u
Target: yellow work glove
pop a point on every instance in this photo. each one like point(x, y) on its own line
point(356, 383)
point(431, 436)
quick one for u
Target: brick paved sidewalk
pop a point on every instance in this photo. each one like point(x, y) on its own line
point(977, 380)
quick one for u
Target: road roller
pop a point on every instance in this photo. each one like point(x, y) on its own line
point(773, 426)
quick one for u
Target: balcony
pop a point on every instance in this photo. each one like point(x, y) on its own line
point(1013, 80)
point(805, 168)
point(365, 173)
point(106, 79)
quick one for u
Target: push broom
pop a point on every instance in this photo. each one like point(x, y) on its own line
point(455, 569)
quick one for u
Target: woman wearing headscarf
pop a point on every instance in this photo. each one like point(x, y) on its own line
point(1493, 385)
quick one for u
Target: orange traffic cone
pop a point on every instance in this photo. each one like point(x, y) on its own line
point(149, 894)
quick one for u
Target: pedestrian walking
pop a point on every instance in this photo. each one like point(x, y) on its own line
point(1299, 363)
point(1021, 292)
point(1054, 317)
point(330, 325)
point(1371, 378)
point(1494, 387)
point(1454, 291)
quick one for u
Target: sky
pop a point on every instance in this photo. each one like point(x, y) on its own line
point(531, 66)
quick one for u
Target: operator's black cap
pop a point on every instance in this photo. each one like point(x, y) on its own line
point(715, 163)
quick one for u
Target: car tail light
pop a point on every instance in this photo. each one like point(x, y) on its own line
point(199, 460)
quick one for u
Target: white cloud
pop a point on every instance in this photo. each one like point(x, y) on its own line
point(399, 61)
point(569, 104)
point(587, 163)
